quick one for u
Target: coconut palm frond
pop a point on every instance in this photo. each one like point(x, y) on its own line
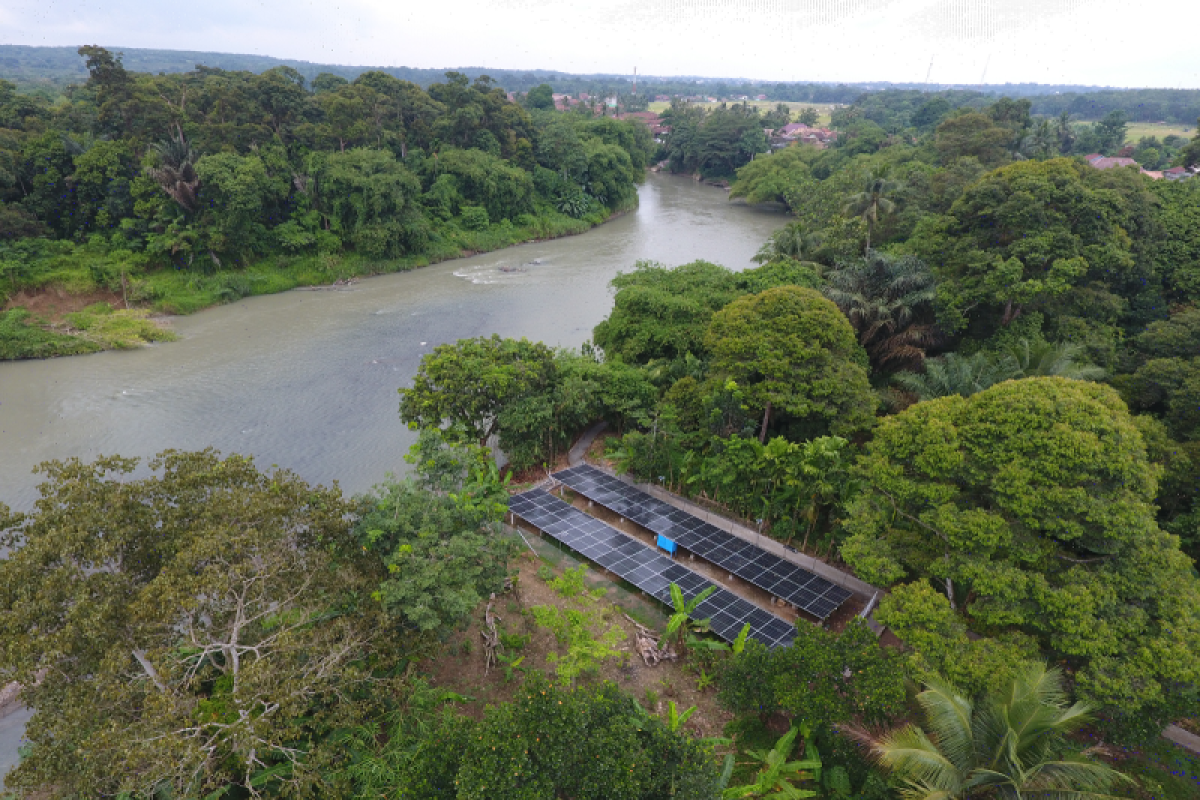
point(1009, 744)
point(884, 297)
point(1063, 359)
point(909, 751)
point(176, 172)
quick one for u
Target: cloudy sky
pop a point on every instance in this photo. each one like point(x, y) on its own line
point(1099, 42)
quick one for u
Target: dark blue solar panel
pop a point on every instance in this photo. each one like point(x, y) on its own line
point(645, 568)
point(745, 560)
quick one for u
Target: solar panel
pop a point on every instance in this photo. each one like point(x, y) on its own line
point(647, 569)
point(808, 592)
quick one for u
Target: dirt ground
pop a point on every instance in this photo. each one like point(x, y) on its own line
point(461, 666)
point(54, 302)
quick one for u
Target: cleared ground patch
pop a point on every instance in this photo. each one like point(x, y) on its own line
point(823, 109)
point(1137, 130)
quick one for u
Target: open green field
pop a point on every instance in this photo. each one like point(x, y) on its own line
point(823, 109)
point(1136, 130)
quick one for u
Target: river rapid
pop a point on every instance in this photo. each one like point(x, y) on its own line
point(307, 379)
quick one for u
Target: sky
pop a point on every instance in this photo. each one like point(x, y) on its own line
point(1090, 42)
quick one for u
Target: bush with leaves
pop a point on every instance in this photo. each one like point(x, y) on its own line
point(438, 534)
point(822, 678)
point(590, 742)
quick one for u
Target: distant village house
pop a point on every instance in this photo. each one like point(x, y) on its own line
point(1108, 162)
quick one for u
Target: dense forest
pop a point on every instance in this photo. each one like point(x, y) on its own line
point(184, 190)
point(966, 370)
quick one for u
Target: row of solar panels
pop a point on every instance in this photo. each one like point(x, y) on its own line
point(808, 592)
point(647, 569)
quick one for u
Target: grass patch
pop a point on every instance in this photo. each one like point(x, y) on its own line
point(1163, 771)
point(117, 330)
point(1136, 130)
point(22, 336)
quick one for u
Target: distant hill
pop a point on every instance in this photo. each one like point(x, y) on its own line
point(49, 69)
point(59, 66)
point(55, 67)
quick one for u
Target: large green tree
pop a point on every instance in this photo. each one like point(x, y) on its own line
point(186, 631)
point(438, 534)
point(238, 195)
point(662, 312)
point(973, 135)
point(1031, 503)
point(773, 178)
point(470, 382)
point(1030, 237)
point(795, 356)
point(369, 199)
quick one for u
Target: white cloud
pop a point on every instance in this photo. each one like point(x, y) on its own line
point(1067, 41)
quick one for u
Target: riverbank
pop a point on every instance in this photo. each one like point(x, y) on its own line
point(88, 298)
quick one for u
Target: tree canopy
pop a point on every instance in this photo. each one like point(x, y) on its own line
point(468, 383)
point(186, 631)
point(793, 353)
point(1032, 502)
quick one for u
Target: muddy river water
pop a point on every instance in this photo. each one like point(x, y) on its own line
point(307, 379)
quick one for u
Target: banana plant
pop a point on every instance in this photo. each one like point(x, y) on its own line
point(675, 720)
point(739, 644)
point(777, 776)
point(677, 623)
point(512, 665)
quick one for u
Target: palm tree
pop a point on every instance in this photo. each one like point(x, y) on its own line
point(1008, 745)
point(872, 202)
point(1064, 359)
point(889, 302)
point(790, 241)
point(952, 374)
point(1066, 135)
point(1041, 142)
point(965, 375)
point(176, 172)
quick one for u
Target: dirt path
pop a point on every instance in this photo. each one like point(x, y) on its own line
point(1177, 735)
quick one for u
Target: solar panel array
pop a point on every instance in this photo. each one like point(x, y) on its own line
point(808, 592)
point(647, 569)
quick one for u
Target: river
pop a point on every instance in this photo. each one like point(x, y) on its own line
point(307, 379)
